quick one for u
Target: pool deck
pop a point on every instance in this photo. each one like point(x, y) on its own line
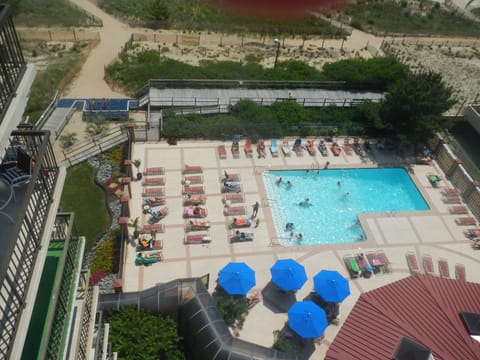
point(432, 232)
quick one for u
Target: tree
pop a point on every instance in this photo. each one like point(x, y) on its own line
point(413, 106)
point(137, 335)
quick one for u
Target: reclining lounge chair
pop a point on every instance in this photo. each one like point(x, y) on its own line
point(235, 210)
point(197, 238)
point(240, 236)
point(297, 147)
point(148, 257)
point(192, 169)
point(195, 225)
point(196, 199)
point(465, 221)
point(274, 148)
point(194, 212)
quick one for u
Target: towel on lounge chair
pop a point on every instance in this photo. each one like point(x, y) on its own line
point(231, 186)
point(192, 180)
point(322, 147)
point(273, 148)
point(336, 149)
point(233, 198)
point(239, 236)
point(347, 147)
point(148, 257)
point(194, 212)
point(241, 222)
point(285, 148)
point(197, 238)
point(248, 148)
point(297, 147)
point(352, 266)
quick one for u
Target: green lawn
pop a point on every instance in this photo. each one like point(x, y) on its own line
point(82, 196)
point(422, 17)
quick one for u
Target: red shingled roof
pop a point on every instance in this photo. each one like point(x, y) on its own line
point(423, 308)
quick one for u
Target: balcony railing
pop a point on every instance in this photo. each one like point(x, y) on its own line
point(21, 239)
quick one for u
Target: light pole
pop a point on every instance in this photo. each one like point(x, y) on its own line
point(277, 43)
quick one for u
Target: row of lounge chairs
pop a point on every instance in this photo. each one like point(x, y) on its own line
point(363, 265)
point(348, 146)
point(149, 249)
point(429, 268)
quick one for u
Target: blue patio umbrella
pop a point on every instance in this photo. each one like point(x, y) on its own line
point(331, 286)
point(288, 274)
point(307, 319)
point(236, 278)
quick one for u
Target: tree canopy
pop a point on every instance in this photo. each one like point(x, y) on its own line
point(413, 106)
point(138, 335)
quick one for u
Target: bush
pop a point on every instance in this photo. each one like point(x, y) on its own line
point(232, 308)
point(136, 334)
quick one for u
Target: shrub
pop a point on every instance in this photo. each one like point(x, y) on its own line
point(68, 139)
point(232, 308)
point(104, 257)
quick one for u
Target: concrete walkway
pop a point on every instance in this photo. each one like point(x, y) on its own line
point(432, 232)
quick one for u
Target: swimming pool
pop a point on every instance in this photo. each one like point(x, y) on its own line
point(336, 197)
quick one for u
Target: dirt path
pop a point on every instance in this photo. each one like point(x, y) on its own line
point(113, 35)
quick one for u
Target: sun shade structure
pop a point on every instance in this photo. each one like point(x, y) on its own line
point(331, 286)
point(237, 278)
point(288, 274)
point(307, 319)
point(425, 309)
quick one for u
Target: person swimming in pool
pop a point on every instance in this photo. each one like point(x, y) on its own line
point(289, 226)
point(305, 202)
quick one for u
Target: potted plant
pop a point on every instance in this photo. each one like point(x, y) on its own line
point(134, 225)
point(137, 164)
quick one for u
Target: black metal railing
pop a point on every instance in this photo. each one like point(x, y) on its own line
point(21, 240)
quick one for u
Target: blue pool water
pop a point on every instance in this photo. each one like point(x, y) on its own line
point(336, 196)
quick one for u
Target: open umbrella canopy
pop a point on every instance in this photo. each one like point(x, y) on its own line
point(288, 274)
point(331, 286)
point(237, 278)
point(307, 319)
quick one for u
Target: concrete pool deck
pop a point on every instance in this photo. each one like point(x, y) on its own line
point(432, 232)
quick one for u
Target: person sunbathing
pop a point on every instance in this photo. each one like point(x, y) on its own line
point(199, 223)
point(230, 184)
point(241, 222)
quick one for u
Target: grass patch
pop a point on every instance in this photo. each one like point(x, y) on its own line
point(48, 13)
point(199, 15)
point(421, 17)
point(60, 63)
point(82, 196)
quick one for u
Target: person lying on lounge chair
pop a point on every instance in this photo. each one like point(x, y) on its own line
point(199, 224)
point(241, 222)
point(230, 184)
